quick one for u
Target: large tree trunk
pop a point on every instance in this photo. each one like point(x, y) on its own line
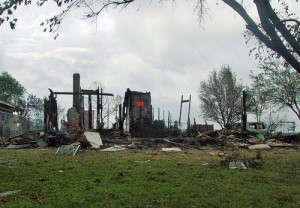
point(271, 23)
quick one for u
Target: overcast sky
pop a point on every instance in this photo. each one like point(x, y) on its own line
point(154, 47)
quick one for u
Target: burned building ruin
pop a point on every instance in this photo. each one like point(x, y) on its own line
point(138, 109)
point(135, 115)
point(78, 118)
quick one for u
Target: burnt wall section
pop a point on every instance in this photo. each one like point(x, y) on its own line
point(73, 117)
point(138, 109)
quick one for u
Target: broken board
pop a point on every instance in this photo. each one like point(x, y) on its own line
point(94, 139)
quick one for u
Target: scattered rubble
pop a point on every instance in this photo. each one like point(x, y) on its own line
point(279, 144)
point(23, 146)
point(173, 149)
point(8, 161)
point(68, 149)
point(146, 161)
point(237, 165)
point(259, 147)
point(114, 148)
point(6, 193)
point(233, 160)
point(221, 139)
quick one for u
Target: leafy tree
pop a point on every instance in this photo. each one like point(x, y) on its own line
point(36, 107)
point(30, 107)
point(220, 97)
point(276, 30)
point(31, 111)
point(279, 84)
point(11, 91)
point(257, 100)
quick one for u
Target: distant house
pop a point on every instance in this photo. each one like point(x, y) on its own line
point(6, 119)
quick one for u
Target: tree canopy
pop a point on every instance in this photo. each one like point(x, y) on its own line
point(221, 97)
point(257, 100)
point(279, 84)
point(29, 106)
point(11, 91)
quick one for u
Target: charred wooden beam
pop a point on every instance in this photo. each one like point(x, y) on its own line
point(83, 93)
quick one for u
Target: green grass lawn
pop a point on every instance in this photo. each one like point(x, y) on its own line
point(114, 179)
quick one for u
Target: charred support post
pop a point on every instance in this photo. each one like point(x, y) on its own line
point(128, 116)
point(158, 113)
point(244, 114)
point(50, 113)
point(152, 114)
point(82, 110)
point(121, 128)
point(101, 107)
point(189, 121)
point(98, 108)
point(195, 125)
point(108, 116)
point(77, 96)
point(169, 119)
point(185, 101)
point(90, 113)
point(179, 123)
point(116, 118)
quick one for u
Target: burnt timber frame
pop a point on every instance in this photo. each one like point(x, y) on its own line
point(99, 102)
point(188, 119)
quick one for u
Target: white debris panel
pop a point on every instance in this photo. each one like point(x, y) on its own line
point(93, 138)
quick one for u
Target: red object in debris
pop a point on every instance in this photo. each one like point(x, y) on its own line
point(140, 104)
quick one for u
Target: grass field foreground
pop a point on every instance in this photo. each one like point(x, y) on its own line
point(148, 178)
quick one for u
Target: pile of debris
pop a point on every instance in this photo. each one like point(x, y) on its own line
point(250, 140)
point(233, 160)
point(224, 139)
